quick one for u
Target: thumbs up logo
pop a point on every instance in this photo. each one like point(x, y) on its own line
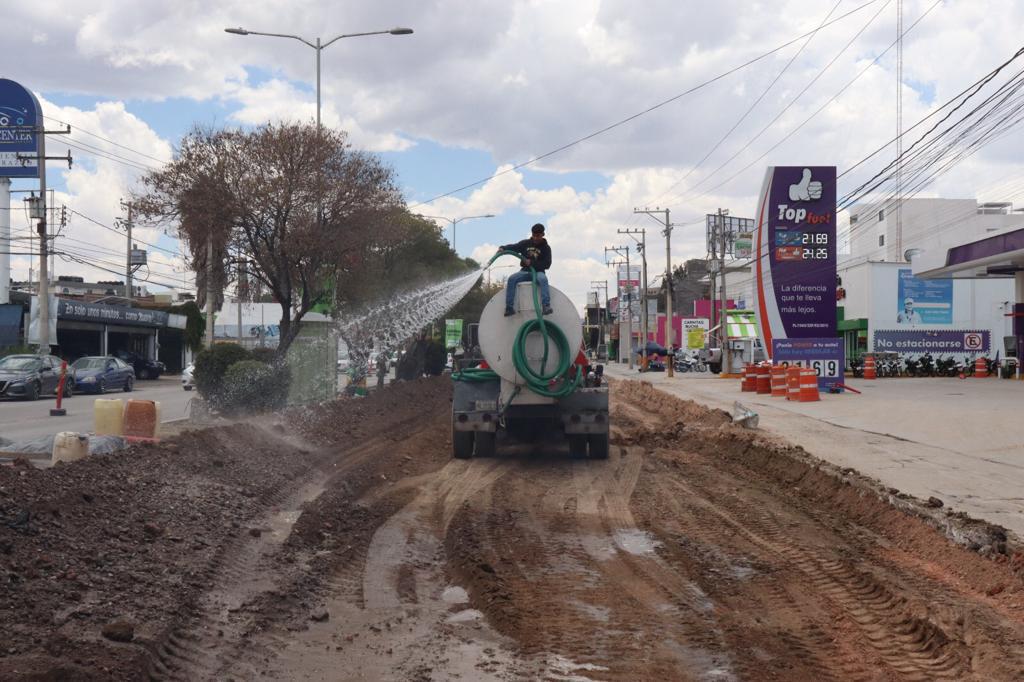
point(806, 189)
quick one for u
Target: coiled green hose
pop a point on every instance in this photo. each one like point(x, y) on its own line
point(552, 384)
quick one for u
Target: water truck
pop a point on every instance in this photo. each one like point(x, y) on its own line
point(533, 384)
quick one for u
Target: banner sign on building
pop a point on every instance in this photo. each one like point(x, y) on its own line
point(110, 314)
point(452, 333)
point(694, 333)
point(826, 356)
point(923, 301)
point(19, 118)
point(795, 254)
point(934, 341)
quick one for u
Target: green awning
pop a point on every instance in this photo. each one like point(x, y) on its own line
point(741, 324)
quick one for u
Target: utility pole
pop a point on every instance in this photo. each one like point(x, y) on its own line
point(209, 291)
point(723, 331)
point(670, 330)
point(620, 251)
point(598, 285)
point(41, 230)
point(128, 262)
point(641, 246)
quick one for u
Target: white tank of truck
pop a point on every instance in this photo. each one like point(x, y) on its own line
point(500, 399)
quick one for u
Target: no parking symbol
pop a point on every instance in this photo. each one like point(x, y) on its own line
point(974, 342)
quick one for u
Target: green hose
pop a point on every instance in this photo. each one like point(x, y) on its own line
point(540, 382)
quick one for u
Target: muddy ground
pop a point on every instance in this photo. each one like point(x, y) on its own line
point(344, 543)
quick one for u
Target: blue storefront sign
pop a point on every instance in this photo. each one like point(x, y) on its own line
point(20, 116)
point(826, 356)
point(934, 341)
point(923, 301)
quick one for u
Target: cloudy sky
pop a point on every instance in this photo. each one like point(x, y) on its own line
point(482, 87)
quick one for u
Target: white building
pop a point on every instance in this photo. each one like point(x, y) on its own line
point(885, 308)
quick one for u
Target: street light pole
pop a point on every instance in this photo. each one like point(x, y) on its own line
point(455, 221)
point(319, 47)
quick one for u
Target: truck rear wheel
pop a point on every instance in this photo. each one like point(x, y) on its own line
point(484, 444)
point(577, 445)
point(462, 444)
point(598, 445)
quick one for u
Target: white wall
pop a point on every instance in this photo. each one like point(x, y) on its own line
point(926, 223)
point(977, 304)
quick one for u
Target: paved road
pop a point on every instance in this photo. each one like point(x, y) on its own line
point(21, 420)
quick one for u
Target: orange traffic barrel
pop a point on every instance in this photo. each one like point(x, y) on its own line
point(140, 418)
point(793, 383)
point(980, 368)
point(764, 379)
point(750, 384)
point(778, 381)
point(869, 367)
point(809, 386)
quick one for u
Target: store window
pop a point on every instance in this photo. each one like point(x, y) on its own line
point(881, 240)
point(881, 215)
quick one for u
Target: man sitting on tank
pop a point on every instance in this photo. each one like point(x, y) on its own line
point(534, 252)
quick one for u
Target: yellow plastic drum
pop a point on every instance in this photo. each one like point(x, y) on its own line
point(109, 417)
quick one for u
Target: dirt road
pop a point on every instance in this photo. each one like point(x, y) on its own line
point(345, 544)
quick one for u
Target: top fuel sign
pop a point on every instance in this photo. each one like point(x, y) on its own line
point(795, 254)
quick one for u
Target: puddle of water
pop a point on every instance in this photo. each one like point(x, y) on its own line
point(453, 594)
point(466, 616)
point(635, 541)
point(562, 669)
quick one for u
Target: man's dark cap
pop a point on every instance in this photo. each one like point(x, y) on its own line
point(537, 229)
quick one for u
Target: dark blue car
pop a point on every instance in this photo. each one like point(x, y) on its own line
point(96, 374)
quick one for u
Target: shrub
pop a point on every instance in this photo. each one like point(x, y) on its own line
point(264, 355)
point(210, 367)
point(253, 386)
point(436, 357)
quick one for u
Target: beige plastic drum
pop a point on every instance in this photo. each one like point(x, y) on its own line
point(69, 446)
point(498, 333)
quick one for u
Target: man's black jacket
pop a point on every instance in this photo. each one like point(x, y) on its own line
point(539, 254)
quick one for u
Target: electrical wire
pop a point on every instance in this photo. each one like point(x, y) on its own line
point(100, 137)
point(646, 111)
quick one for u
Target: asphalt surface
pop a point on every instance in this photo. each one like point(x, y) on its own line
point(21, 420)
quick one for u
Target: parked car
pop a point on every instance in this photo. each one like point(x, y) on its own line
point(144, 367)
point(97, 374)
point(188, 382)
point(29, 376)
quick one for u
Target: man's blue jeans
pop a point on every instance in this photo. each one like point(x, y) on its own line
point(524, 276)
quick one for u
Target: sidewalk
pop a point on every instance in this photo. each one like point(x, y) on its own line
point(957, 440)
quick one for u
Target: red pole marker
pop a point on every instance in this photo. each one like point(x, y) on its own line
point(60, 411)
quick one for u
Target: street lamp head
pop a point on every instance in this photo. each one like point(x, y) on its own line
point(237, 31)
point(400, 31)
point(489, 215)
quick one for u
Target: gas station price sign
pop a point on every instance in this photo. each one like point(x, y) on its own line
point(826, 356)
point(795, 254)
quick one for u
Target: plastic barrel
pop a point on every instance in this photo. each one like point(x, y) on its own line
point(140, 419)
point(108, 417)
point(69, 446)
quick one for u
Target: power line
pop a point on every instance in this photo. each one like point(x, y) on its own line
point(100, 137)
point(646, 111)
point(113, 229)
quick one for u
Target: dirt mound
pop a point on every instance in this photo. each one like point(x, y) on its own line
point(134, 537)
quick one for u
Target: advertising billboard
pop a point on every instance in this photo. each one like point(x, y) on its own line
point(795, 254)
point(19, 118)
point(923, 301)
point(826, 356)
point(934, 341)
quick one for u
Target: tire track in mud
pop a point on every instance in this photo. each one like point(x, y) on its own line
point(911, 624)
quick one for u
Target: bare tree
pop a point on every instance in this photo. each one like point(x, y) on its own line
point(300, 204)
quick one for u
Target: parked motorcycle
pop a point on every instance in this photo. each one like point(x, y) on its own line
point(690, 363)
point(945, 367)
point(892, 368)
point(927, 368)
point(857, 367)
point(913, 368)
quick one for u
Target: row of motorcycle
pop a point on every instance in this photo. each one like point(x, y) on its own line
point(925, 366)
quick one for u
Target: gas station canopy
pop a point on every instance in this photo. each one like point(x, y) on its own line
point(1001, 255)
